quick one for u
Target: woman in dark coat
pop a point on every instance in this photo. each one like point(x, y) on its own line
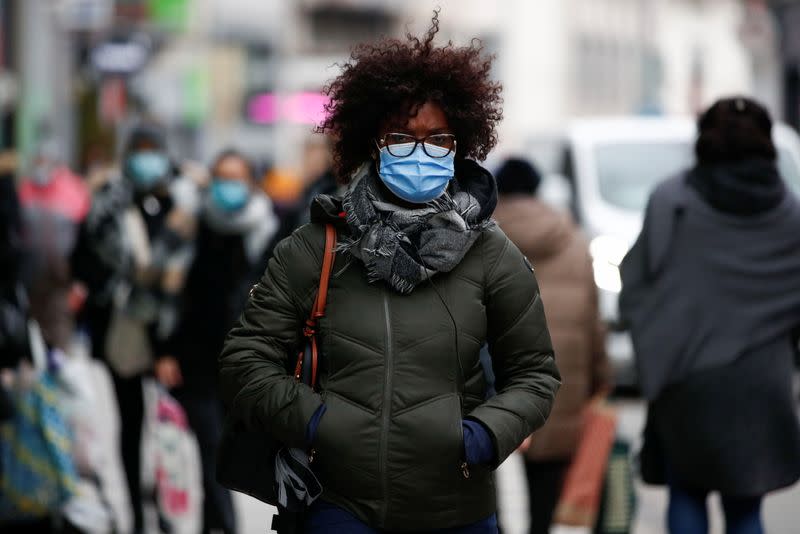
point(132, 252)
point(711, 291)
point(236, 226)
point(403, 437)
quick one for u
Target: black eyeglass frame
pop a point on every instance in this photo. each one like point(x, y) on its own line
point(382, 143)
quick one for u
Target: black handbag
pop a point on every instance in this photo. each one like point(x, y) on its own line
point(246, 457)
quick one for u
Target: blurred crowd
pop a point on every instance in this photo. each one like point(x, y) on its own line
point(135, 272)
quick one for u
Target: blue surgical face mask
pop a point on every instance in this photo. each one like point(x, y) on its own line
point(229, 195)
point(147, 168)
point(417, 178)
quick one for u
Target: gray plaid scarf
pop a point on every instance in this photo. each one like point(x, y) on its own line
point(407, 246)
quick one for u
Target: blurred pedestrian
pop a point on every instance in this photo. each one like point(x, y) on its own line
point(402, 435)
point(711, 291)
point(132, 254)
point(54, 203)
point(14, 345)
point(560, 254)
point(51, 394)
point(236, 228)
point(285, 188)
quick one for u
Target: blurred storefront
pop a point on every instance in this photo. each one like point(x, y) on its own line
point(250, 73)
point(560, 59)
point(44, 62)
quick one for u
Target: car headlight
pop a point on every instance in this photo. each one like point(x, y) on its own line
point(607, 253)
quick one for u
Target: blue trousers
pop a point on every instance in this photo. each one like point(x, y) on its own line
point(687, 513)
point(325, 518)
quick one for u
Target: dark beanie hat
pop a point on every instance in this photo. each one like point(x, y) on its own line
point(734, 129)
point(146, 132)
point(517, 176)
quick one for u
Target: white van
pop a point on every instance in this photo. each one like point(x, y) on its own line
point(611, 166)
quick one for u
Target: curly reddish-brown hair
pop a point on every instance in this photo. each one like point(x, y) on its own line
point(394, 78)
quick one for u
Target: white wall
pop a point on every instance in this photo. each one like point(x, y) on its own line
point(532, 65)
point(709, 32)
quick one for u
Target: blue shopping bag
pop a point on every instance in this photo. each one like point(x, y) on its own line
point(37, 473)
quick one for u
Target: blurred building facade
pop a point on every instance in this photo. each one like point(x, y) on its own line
point(566, 58)
point(250, 72)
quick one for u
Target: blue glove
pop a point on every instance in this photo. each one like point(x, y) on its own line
point(478, 445)
point(313, 423)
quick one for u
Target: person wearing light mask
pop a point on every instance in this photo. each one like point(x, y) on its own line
point(146, 165)
point(133, 251)
point(400, 432)
point(235, 230)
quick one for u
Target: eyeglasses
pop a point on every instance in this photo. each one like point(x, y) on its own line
point(403, 145)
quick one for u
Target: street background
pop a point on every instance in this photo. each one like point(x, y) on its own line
point(76, 75)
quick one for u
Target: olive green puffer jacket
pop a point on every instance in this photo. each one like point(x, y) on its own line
point(399, 373)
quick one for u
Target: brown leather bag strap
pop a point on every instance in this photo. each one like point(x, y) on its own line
point(318, 310)
point(325, 276)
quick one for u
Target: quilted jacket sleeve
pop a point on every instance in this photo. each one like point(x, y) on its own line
point(264, 343)
point(522, 356)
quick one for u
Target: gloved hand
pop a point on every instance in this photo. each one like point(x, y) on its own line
point(478, 445)
point(313, 423)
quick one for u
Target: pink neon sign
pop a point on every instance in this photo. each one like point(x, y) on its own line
point(298, 108)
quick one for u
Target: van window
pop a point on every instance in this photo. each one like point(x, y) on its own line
point(628, 172)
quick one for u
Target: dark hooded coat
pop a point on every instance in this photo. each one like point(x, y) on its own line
point(712, 299)
point(560, 256)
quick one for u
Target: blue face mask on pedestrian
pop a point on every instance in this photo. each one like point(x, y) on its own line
point(229, 195)
point(147, 168)
point(418, 177)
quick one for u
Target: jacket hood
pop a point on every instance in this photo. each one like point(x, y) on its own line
point(327, 209)
point(479, 183)
point(537, 229)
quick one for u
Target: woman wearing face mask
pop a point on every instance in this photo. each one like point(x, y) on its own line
point(403, 439)
point(236, 228)
point(132, 254)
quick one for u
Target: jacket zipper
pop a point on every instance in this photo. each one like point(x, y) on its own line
point(387, 406)
point(459, 388)
point(464, 465)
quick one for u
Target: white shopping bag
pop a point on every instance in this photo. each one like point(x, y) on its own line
point(171, 462)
